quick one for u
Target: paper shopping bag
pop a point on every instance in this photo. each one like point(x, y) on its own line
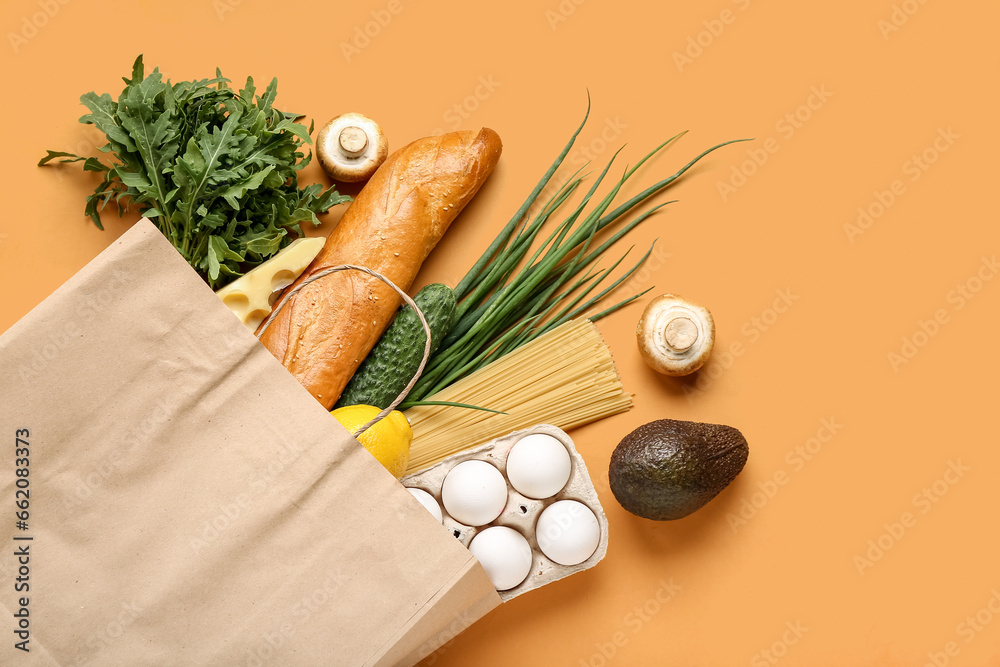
point(170, 495)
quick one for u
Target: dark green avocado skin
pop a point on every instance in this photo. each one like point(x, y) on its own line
point(667, 469)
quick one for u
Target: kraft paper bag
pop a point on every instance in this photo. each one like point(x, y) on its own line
point(172, 496)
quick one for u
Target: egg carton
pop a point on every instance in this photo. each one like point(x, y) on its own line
point(521, 513)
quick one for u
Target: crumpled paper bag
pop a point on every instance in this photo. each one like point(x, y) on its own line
point(184, 501)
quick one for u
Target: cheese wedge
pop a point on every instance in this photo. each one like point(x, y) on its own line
point(251, 296)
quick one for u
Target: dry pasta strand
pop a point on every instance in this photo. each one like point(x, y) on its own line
point(566, 378)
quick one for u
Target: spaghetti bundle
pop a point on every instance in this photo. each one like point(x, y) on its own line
point(565, 377)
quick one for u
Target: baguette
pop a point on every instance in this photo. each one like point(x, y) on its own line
point(326, 330)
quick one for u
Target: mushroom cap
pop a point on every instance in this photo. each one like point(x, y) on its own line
point(351, 147)
point(675, 336)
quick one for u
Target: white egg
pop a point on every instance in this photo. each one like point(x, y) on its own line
point(427, 500)
point(567, 532)
point(474, 493)
point(504, 554)
point(538, 466)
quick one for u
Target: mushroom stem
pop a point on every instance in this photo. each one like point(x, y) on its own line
point(680, 333)
point(675, 336)
point(351, 147)
point(353, 140)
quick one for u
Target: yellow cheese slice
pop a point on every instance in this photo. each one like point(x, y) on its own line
point(251, 296)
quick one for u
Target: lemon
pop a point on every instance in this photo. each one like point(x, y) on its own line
point(388, 440)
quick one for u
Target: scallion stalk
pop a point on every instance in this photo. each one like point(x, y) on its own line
point(502, 307)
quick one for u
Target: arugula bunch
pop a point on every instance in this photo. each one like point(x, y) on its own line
point(213, 168)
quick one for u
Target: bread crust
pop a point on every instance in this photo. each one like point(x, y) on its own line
point(326, 330)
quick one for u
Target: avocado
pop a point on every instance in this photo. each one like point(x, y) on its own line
point(667, 469)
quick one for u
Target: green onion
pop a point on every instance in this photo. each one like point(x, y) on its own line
point(502, 307)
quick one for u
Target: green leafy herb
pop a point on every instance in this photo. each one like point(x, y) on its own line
point(215, 169)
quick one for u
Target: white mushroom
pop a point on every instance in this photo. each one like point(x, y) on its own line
point(675, 336)
point(351, 147)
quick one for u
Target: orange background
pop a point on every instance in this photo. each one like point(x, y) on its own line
point(887, 95)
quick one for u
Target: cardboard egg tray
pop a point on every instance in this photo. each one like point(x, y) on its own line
point(521, 513)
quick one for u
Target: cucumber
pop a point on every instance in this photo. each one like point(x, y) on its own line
point(396, 356)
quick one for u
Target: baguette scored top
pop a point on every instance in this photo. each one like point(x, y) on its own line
point(326, 330)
